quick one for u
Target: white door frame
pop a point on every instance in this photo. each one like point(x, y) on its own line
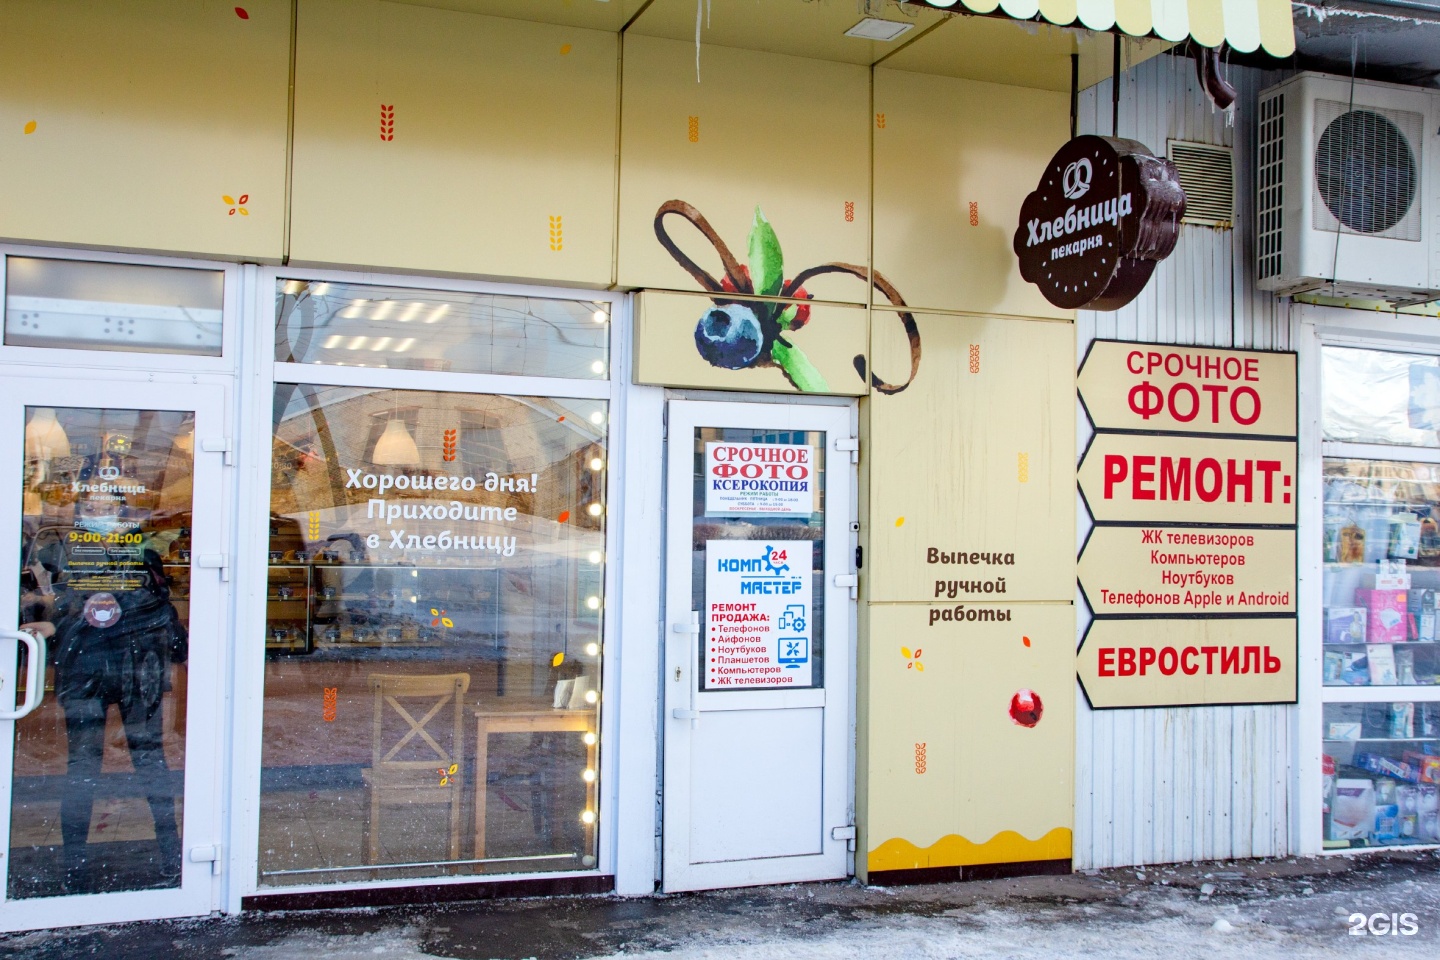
point(838, 693)
point(202, 824)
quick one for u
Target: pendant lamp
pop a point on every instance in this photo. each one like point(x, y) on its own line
point(396, 448)
point(45, 438)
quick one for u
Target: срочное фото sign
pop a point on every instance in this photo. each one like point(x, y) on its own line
point(1189, 570)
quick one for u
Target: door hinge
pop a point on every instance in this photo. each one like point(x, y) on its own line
point(848, 580)
point(209, 854)
point(220, 445)
point(846, 833)
point(214, 561)
point(850, 445)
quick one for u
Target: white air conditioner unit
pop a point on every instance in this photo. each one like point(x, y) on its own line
point(1348, 189)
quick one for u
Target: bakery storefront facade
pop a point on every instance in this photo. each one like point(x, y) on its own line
point(514, 448)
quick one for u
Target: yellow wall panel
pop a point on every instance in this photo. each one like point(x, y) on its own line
point(954, 159)
point(127, 124)
point(444, 141)
point(976, 456)
point(819, 355)
point(784, 134)
point(953, 779)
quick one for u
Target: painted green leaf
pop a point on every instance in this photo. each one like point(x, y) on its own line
point(767, 265)
point(798, 368)
point(787, 316)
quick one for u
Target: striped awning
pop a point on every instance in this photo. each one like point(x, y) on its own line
point(1246, 25)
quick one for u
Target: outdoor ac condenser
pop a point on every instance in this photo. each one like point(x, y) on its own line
point(1348, 189)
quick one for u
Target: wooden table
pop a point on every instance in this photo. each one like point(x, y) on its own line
point(539, 720)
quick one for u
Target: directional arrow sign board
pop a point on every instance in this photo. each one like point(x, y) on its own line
point(1146, 386)
point(1134, 477)
point(1189, 570)
point(1193, 662)
point(1145, 570)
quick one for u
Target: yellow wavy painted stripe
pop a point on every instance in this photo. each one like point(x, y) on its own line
point(1007, 846)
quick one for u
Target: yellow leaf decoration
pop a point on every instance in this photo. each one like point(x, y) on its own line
point(244, 212)
point(228, 199)
point(30, 127)
point(558, 659)
point(920, 667)
point(905, 651)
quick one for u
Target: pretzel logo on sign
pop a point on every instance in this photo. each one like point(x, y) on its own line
point(1076, 181)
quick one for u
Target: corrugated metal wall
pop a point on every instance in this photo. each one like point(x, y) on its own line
point(1167, 785)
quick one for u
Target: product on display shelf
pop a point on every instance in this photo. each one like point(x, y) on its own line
point(1388, 575)
point(1385, 615)
point(1428, 766)
point(1345, 625)
point(1429, 537)
point(1354, 668)
point(1352, 544)
point(1427, 813)
point(1422, 615)
point(1402, 721)
point(1427, 719)
point(1387, 823)
point(1327, 782)
point(1381, 657)
point(1352, 815)
point(1344, 730)
point(1404, 536)
point(1405, 667)
point(1386, 766)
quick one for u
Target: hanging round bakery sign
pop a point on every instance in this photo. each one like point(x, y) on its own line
point(1106, 211)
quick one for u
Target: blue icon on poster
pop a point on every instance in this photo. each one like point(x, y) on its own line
point(793, 650)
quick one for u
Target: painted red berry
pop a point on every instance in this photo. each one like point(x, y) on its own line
point(1026, 708)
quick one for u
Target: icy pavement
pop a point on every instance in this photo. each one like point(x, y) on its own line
point(1252, 909)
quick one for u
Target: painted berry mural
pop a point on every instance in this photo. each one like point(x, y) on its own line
point(738, 332)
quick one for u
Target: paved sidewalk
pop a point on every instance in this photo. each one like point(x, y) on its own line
point(1256, 910)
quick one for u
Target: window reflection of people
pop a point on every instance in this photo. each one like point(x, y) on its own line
point(109, 646)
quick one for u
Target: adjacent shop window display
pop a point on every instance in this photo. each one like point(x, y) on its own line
point(435, 602)
point(351, 324)
point(104, 582)
point(88, 305)
point(1381, 553)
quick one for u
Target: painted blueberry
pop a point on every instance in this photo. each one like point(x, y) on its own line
point(729, 336)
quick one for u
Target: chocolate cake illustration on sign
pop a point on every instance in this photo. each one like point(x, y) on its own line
point(1106, 211)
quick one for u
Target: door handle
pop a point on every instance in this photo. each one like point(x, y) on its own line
point(691, 629)
point(848, 580)
point(34, 673)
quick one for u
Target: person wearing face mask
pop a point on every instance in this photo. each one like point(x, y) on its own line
point(110, 646)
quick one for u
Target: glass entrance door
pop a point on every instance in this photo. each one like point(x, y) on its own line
point(109, 649)
point(759, 640)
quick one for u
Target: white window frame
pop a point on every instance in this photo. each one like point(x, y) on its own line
point(1316, 327)
point(236, 286)
point(260, 372)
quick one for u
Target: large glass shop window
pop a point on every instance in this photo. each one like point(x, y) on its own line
point(104, 579)
point(434, 605)
point(1381, 554)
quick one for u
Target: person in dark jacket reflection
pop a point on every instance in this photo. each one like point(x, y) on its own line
point(116, 648)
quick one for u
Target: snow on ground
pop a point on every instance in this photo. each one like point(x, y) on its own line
point(1255, 910)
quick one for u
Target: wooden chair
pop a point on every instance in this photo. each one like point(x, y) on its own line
point(408, 756)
